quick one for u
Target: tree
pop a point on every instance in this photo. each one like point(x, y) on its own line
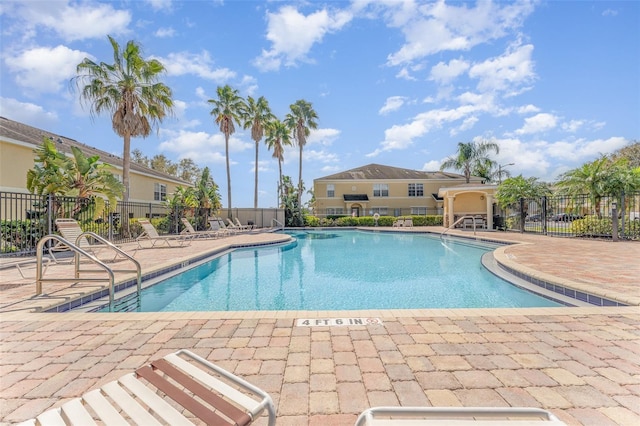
point(188, 170)
point(139, 158)
point(591, 178)
point(512, 189)
point(278, 136)
point(77, 176)
point(161, 163)
point(256, 115)
point(470, 156)
point(226, 110)
point(207, 197)
point(631, 152)
point(301, 120)
point(129, 90)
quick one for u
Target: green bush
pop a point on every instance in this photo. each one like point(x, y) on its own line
point(592, 226)
point(18, 235)
point(312, 221)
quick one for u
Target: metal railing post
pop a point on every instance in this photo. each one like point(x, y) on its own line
point(614, 222)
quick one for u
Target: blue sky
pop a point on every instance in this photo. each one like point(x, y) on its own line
point(553, 83)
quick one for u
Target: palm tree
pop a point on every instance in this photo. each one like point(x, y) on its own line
point(278, 136)
point(129, 89)
point(77, 176)
point(227, 109)
point(301, 120)
point(470, 156)
point(207, 197)
point(256, 116)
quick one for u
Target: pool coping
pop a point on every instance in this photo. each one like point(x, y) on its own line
point(553, 288)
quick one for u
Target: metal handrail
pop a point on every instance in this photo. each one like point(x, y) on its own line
point(277, 222)
point(457, 222)
point(77, 253)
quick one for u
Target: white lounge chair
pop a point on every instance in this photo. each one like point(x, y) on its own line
point(449, 416)
point(408, 223)
point(398, 223)
point(241, 226)
point(71, 231)
point(180, 389)
point(151, 234)
point(217, 225)
point(235, 227)
point(190, 231)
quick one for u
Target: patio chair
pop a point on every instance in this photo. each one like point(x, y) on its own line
point(386, 416)
point(216, 224)
point(181, 388)
point(71, 231)
point(468, 222)
point(151, 234)
point(241, 226)
point(480, 222)
point(398, 223)
point(408, 223)
point(235, 227)
point(190, 231)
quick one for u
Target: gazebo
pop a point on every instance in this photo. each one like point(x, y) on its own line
point(471, 199)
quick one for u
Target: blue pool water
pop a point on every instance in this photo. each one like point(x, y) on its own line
point(342, 270)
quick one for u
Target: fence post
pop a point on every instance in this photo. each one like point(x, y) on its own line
point(522, 217)
point(543, 218)
point(614, 221)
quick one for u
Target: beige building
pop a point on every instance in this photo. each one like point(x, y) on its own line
point(388, 191)
point(17, 142)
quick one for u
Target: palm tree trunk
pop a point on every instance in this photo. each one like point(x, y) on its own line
point(280, 188)
point(255, 192)
point(126, 165)
point(226, 147)
point(300, 186)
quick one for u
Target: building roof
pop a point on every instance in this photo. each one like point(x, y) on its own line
point(21, 132)
point(380, 172)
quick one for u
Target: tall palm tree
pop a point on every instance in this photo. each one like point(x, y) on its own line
point(256, 116)
point(227, 110)
point(130, 90)
point(278, 136)
point(471, 155)
point(591, 178)
point(301, 120)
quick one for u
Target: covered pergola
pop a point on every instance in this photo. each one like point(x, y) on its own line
point(468, 200)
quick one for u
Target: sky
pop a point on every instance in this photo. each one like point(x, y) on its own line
point(400, 83)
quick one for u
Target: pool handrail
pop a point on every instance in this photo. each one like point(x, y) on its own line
point(457, 222)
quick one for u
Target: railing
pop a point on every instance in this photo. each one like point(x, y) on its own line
point(277, 222)
point(461, 219)
point(77, 253)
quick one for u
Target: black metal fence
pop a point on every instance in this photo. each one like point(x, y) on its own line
point(615, 216)
point(25, 218)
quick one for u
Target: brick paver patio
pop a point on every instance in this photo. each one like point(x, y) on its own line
point(583, 364)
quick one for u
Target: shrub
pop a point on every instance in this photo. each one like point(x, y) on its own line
point(19, 235)
point(312, 221)
point(592, 226)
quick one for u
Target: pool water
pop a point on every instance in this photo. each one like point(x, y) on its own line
point(342, 270)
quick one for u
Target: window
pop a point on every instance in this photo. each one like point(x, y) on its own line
point(380, 190)
point(419, 211)
point(335, 210)
point(416, 190)
point(382, 211)
point(159, 192)
point(331, 191)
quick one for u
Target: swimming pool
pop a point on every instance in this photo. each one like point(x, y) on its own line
point(342, 270)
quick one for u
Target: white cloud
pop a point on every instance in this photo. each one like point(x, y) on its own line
point(583, 149)
point(28, 113)
point(160, 4)
point(203, 147)
point(528, 109)
point(45, 69)
point(182, 63)
point(445, 73)
point(393, 103)
point(538, 123)
point(165, 32)
point(573, 126)
point(323, 137)
point(435, 27)
point(313, 156)
point(292, 35)
point(72, 20)
point(431, 166)
point(511, 72)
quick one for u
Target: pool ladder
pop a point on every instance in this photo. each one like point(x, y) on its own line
point(457, 222)
point(127, 303)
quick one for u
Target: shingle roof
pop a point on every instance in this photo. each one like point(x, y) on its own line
point(32, 135)
point(378, 171)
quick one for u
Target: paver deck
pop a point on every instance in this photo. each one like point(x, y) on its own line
point(583, 364)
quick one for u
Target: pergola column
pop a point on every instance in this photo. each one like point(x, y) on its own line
point(489, 198)
point(450, 199)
